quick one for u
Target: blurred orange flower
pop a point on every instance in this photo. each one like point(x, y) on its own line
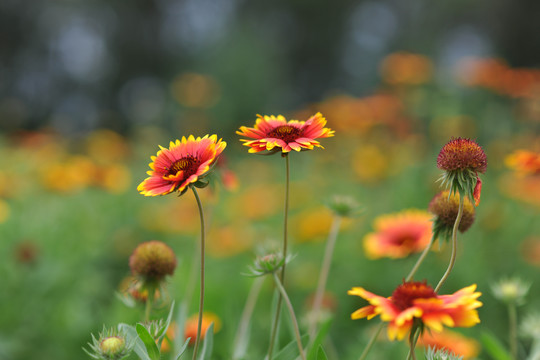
point(452, 342)
point(525, 162)
point(399, 234)
point(190, 327)
point(271, 133)
point(406, 68)
point(412, 301)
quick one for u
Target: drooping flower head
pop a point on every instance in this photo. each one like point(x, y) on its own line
point(416, 303)
point(399, 234)
point(274, 134)
point(184, 163)
point(445, 208)
point(462, 160)
point(152, 261)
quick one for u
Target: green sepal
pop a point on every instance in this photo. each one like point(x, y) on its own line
point(201, 183)
point(462, 182)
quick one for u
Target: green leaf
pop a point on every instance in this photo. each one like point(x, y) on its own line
point(149, 343)
point(290, 351)
point(208, 343)
point(494, 347)
point(131, 335)
point(183, 349)
point(321, 355)
point(319, 338)
point(163, 330)
point(180, 321)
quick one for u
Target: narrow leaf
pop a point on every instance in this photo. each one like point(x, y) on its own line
point(183, 349)
point(132, 337)
point(208, 343)
point(290, 351)
point(494, 347)
point(321, 355)
point(148, 340)
point(163, 331)
point(319, 338)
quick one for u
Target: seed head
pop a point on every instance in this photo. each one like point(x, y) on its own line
point(152, 260)
point(462, 154)
point(445, 208)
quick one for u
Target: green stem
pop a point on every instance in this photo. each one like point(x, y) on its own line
point(282, 276)
point(420, 259)
point(368, 347)
point(323, 276)
point(201, 298)
point(413, 339)
point(512, 331)
point(291, 313)
point(454, 244)
point(239, 341)
point(149, 301)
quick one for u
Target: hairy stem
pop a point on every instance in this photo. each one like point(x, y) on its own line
point(284, 251)
point(454, 244)
point(420, 259)
point(323, 276)
point(291, 313)
point(201, 296)
point(239, 347)
point(512, 330)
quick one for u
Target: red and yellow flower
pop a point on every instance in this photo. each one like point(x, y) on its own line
point(412, 303)
point(185, 162)
point(399, 235)
point(272, 133)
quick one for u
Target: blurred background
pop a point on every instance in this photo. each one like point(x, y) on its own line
point(89, 89)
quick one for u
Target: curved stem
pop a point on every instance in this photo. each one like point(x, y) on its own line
point(420, 259)
point(368, 347)
point(284, 251)
point(239, 347)
point(201, 300)
point(323, 277)
point(454, 244)
point(291, 313)
point(512, 331)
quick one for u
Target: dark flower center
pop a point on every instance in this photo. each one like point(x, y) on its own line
point(286, 133)
point(188, 165)
point(405, 294)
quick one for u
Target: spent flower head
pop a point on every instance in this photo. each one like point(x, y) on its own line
point(462, 160)
point(184, 163)
point(152, 261)
point(445, 207)
point(272, 134)
point(268, 264)
point(511, 290)
point(110, 345)
point(344, 206)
